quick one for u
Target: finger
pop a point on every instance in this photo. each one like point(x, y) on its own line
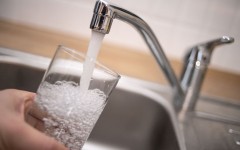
point(25, 100)
point(27, 138)
point(16, 101)
point(28, 101)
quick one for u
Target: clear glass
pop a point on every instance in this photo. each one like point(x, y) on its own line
point(69, 113)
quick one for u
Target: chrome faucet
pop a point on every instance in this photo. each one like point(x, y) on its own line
point(195, 68)
point(103, 16)
point(102, 19)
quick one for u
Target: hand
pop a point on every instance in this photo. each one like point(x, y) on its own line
point(15, 133)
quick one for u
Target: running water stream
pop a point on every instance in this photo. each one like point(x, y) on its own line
point(88, 65)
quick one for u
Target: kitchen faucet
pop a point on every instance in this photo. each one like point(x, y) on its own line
point(103, 16)
point(195, 68)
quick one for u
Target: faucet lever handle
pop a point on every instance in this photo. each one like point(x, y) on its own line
point(220, 41)
point(202, 52)
point(195, 67)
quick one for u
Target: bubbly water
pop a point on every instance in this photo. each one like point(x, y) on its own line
point(69, 115)
point(70, 111)
point(92, 53)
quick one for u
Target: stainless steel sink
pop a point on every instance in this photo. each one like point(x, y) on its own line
point(135, 117)
point(214, 125)
point(132, 120)
point(138, 115)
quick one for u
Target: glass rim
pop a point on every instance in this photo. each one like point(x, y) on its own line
point(73, 51)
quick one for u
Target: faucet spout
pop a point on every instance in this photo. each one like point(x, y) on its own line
point(102, 19)
point(103, 15)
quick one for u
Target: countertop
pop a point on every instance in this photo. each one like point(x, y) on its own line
point(123, 60)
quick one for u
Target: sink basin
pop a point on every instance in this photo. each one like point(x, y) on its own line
point(138, 115)
point(214, 125)
point(135, 117)
point(132, 120)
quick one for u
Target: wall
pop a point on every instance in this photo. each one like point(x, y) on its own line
point(178, 24)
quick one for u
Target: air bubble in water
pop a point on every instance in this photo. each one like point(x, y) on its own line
point(70, 116)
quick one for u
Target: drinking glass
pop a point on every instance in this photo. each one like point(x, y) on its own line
point(69, 111)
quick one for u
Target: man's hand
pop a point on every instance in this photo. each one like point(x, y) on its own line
point(15, 133)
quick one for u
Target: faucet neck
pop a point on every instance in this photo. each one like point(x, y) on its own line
point(102, 19)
